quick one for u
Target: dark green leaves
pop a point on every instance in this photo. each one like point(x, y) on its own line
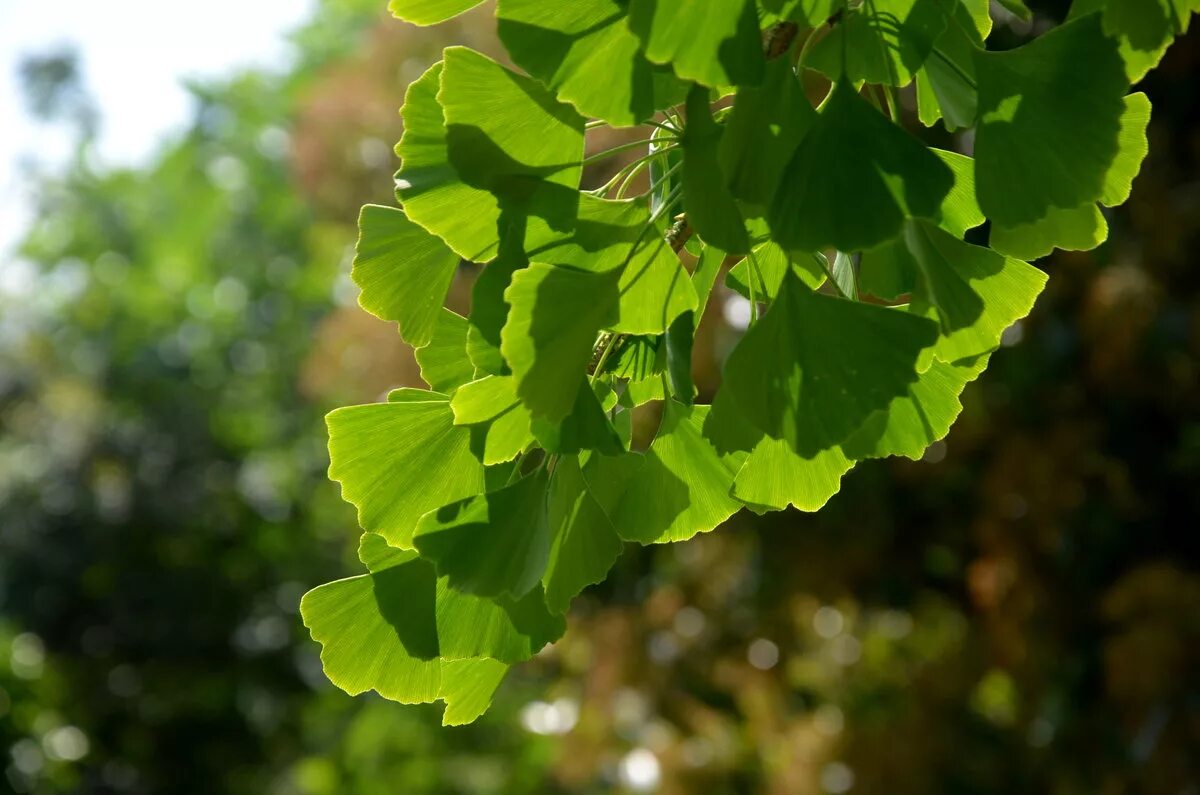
point(795, 379)
point(584, 51)
point(854, 179)
point(492, 545)
point(706, 197)
point(1042, 142)
point(882, 41)
point(714, 42)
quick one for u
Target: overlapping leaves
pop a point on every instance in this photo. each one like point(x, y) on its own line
point(493, 499)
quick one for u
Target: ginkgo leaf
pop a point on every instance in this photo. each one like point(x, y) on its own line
point(854, 179)
point(378, 631)
point(765, 268)
point(889, 271)
point(1083, 228)
point(710, 206)
point(916, 420)
point(585, 544)
point(882, 41)
point(1078, 229)
point(547, 341)
point(794, 381)
point(427, 184)
point(773, 476)
point(978, 293)
point(585, 53)
point(763, 130)
point(1017, 8)
point(499, 423)
point(429, 12)
point(714, 42)
point(678, 488)
point(444, 363)
point(946, 83)
point(1132, 148)
point(396, 461)
point(506, 133)
point(617, 236)
point(467, 688)
point(396, 631)
point(1143, 28)
point(585, 428)
point(403, 271)
point(1041, 142)
point(493, 544)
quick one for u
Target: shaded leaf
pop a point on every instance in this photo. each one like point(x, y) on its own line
point(585, 545)
point(710, 206)
point(854, 179)
point(714, 42)
point(493, 544)
point(796, 379)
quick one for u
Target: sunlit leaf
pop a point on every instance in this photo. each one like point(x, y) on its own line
point(444, 363)
point(396, 461)
point(429, 12)
point(403, 271)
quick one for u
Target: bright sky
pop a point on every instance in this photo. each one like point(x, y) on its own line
point(134, 54)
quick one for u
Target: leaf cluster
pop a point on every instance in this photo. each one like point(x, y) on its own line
point(778, 156)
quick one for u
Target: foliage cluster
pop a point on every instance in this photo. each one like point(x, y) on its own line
point(880, 276)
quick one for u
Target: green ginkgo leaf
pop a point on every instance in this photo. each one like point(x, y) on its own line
point(396, 461)
point(427, 185)
point(547, 341)
point(710, 206)
point(978, 293)
point(764, 269)
point(585, 544)
point(403, 271)
point(618, 236)
point(854, 179)
point(881, 41)
point(678, 488)
point(794, 382)
point(586, 427)
point(946, 83)
point(499, 423)
point(467, 688)
point(765, 127)
point(774, 477)
point(429, 12)
point(1084, 228)
point(1078, 229)
point(1041, 142)
point(713, 42)
point(378, 631)
point(1144, 28)
point(444, 363)
point(507, 134)
point(889, 271)
point(585, 53)
point(493, 544)
point(405, 634)
point(919, 418)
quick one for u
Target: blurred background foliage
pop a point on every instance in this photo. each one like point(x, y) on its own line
point(1020, 612)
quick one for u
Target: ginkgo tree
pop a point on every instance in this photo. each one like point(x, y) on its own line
point(490, 500)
